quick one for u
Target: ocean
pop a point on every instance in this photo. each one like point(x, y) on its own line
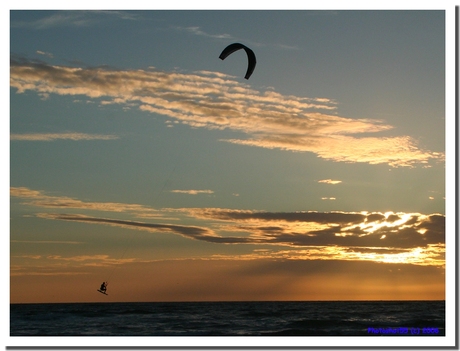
point(319, 318)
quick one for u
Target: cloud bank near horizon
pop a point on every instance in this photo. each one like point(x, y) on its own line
point(382, 237)
point(214, 100)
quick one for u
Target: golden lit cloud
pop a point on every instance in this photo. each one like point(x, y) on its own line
point(402, 248)
point(216, 101)
point(366, 229)
point(389, 237)
point(431, 255)
point(395, 151)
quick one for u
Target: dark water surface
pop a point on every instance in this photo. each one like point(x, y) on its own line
point(353, 318)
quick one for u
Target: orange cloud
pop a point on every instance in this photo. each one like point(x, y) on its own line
point(216, 101)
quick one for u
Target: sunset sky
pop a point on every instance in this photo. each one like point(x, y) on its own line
point(139, 157)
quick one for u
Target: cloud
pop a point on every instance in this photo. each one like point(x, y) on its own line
point(431, 255)
point(318, 246)
point(60, 136)
point(293, 229)
point(39, 199)
point(91, 260)
point(44, 53)
point(403, 230)
point(330, 181)
point(216, 101)
point(342, 148)
point(46, 242)
point(404, 245)
point(32, 257)
point(197, 31)
point(193, 232)
point(73, 19)
point(193, 192)
point(390, 237)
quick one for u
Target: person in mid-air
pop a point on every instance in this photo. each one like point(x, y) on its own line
point(103, 286)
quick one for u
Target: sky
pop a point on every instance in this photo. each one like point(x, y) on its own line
point(140, 158)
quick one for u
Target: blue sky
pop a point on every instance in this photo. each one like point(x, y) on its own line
point(133, 147)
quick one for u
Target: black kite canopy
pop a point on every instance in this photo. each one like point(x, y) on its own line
point(251, 57)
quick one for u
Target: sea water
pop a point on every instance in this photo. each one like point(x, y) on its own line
point(322, 318)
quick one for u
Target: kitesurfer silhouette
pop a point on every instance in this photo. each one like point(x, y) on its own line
point(103, 287)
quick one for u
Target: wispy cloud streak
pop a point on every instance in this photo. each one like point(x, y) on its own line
point(47, 242)
point(329, 181)
point(193, 232)
point(193, 192)
point(216, 101)
point(60, 136)
point(195, 30)
point(73, 19)
point(39, 199)
point(48, 54)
